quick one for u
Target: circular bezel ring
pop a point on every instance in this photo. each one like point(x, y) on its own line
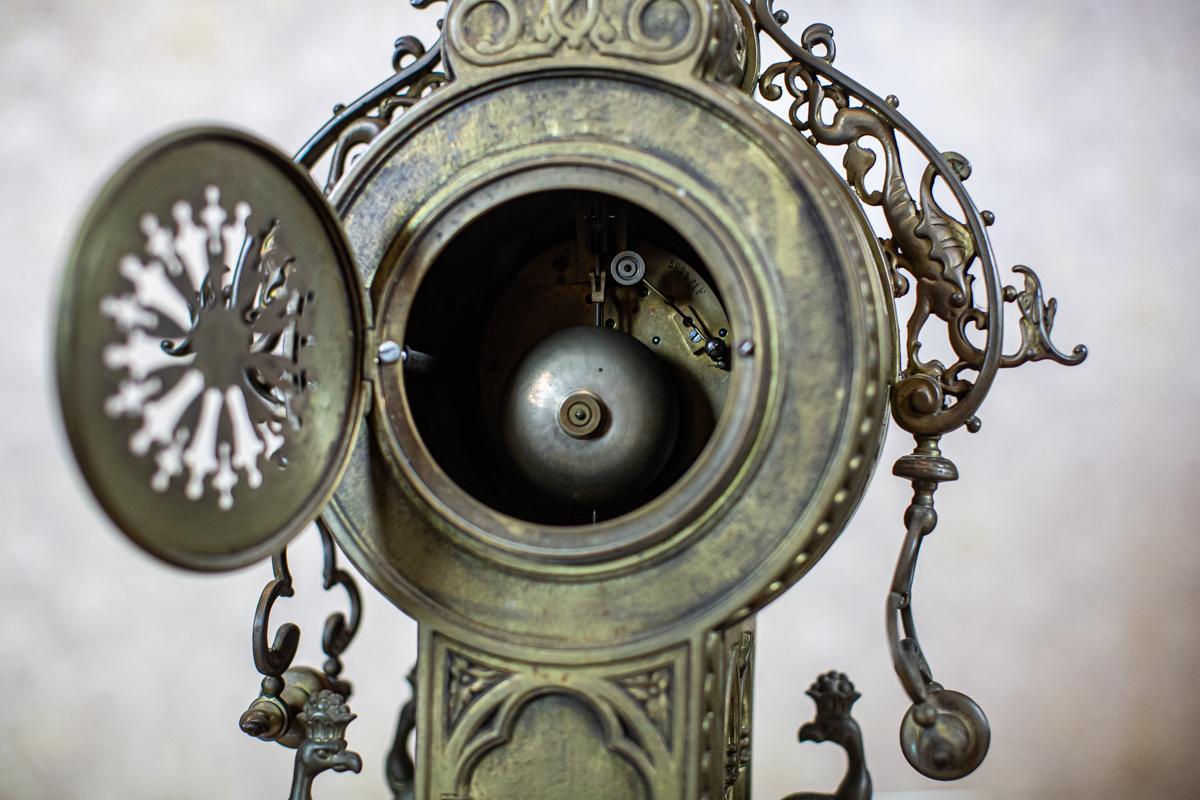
point(804, 281)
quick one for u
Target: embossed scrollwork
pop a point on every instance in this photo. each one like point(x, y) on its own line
point(652, 692)
point(558, 26)
point(510, 32)
point(493, 32)
point(468, 681)
point(675, 25)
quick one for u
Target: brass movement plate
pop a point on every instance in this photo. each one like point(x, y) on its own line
point(210, 349)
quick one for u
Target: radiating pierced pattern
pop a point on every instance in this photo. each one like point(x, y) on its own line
point(214, 329)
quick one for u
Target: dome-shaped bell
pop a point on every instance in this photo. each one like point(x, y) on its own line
point(590, 416)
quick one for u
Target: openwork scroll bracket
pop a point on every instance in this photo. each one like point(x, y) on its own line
point(355, 125)
point(942, 258)
point(301, 707)
point(929, 247)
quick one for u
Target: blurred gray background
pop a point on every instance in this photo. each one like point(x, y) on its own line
point(1061, 589)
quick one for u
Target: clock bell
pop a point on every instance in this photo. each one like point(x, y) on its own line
point(581, 355)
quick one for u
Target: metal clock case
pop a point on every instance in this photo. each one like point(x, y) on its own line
point(628, 345)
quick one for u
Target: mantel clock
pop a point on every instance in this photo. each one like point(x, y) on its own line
point(578, 353)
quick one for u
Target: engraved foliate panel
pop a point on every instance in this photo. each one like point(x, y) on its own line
point(209, 349)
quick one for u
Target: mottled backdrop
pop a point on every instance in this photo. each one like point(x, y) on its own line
point(1061, 589)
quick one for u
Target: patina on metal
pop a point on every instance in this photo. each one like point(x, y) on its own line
point(945, 735)
point(325, 718)
point(209, 354)
point(835, 695)
point(629, 345)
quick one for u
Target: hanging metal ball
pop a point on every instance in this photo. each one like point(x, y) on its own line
point(590, 417)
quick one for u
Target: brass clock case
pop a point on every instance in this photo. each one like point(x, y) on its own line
point(800, 277)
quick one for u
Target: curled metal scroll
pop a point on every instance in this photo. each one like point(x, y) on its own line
point(272, 658)
point(275, 714)
point(356, 124)
point(400, 770)
point(301, 707)
point(936, 249)
point(339, 630)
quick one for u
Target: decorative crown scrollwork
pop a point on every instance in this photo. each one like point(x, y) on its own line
point(325, 717)
point(835, 695)
point(487, 33)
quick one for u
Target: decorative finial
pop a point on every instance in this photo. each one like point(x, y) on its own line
point(326, 715)
point(325, 718)
point(834, 695)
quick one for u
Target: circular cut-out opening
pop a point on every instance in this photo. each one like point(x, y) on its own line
point(552, 386)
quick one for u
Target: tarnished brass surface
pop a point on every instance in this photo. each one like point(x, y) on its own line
point(531, 627)
point(210, 392)
point(585, 583)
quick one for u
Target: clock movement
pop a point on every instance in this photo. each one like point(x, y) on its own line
point(579, 354)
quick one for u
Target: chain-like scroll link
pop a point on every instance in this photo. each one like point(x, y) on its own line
point(339, 630)
point(301, 707)
point(272, 659)
point(945, 734)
